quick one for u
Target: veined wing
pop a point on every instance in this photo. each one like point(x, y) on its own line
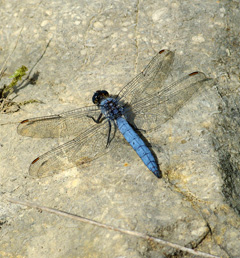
point(149, 80)
point(151, 112)
point(69, 123)
point(86, 147)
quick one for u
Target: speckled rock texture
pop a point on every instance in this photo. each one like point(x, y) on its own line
point(73, 48)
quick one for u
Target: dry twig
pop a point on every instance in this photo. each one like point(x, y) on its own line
point(124, 231)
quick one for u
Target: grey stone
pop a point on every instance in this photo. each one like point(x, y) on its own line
point(82, 46)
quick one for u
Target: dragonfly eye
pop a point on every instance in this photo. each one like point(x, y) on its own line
point(99, 95)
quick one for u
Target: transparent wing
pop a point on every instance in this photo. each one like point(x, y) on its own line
point(69, 123)
point(86, 147)
point(149, 80)
point(152, 111)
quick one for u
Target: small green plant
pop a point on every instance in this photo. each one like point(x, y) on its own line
point(16, 77)
point(7, 104)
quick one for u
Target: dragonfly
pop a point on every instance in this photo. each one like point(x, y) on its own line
point(141, 106)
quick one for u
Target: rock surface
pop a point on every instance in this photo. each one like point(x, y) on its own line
point(73, 48)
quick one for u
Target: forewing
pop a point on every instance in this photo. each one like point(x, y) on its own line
point(86, 147)
point(69, 123)
point(149, 80)
point(151, 112)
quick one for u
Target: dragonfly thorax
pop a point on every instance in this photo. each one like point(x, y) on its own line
point(111, 108)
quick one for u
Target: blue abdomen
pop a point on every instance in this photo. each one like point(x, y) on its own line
point(138, 145)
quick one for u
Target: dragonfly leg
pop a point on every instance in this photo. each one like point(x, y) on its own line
point(99, 120)
point(109, 133)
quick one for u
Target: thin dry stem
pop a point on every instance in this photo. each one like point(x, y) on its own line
point(124, 231)
point(5, 62)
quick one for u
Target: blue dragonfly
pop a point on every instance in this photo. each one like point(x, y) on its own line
point(143, 105)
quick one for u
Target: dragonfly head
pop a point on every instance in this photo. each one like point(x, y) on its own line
point(99, 95)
